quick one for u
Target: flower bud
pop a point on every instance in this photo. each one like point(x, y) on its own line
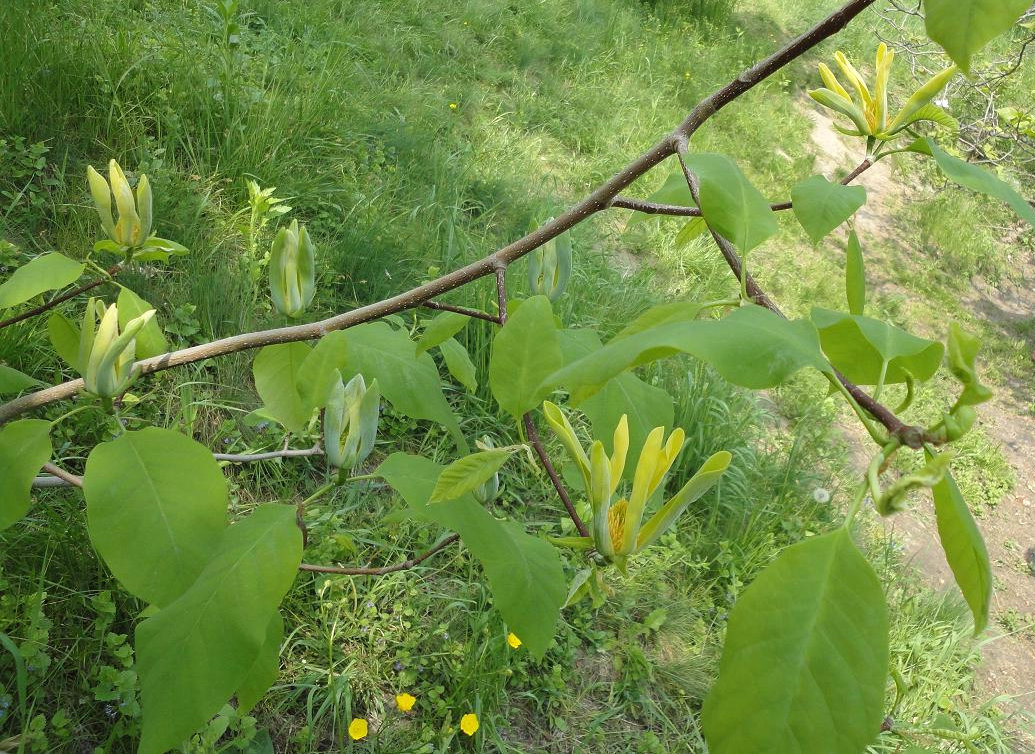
point(486, 492)
point(549, 268)
point(292, 271)
point(106, 356)
point(133, 227)
point(350, 422)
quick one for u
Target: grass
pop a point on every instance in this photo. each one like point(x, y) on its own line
point(409, 136)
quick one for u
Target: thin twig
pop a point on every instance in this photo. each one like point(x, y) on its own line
point(61, 299)
point(65, 476)
point(405, 565)
point(911, 436)
point(540, 451)
point(474, 313)
point(674, 210)
point(316, 450)
point(598, 200)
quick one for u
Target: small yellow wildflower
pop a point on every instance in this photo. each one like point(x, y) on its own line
point(405, 701)
point(453, 106)
point(469, 723)
point(358, 728)
point(686, 74)
point(513, 640)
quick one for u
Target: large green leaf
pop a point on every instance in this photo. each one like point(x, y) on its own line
point(194, 654)
point(855, 276)
point(963, 27)
point(862, 347)
point(524, 352)
point(752, 347)
point(806, 656)
point(276, 371)
point(150, 340)
point(822, 206)
point(410, 382)
point(524, 572)
point(264, 670)
point(13, 381)
point(980, 180)
point(156, 509)
point(441, 328)
point(459, 363)
point(645, 406)
point(733, 207)
point(64, 336)
point(466, 474)
point(24, 448)
point(44, 273)
point(964, 549)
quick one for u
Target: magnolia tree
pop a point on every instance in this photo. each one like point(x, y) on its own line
point(805, 665)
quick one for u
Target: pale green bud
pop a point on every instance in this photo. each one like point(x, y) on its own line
point(133, 226)
point(106, 355)
point(350, 422)
point(292, 271)
point(549, 268)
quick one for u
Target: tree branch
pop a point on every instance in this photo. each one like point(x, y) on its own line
point(598, 200)
point(474, 313)
point(911, 436)
point(61, 299)
point(674, 210)
point(316, 450)
point(64, 476)
point(405, 565)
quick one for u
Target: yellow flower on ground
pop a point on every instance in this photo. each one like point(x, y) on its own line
point(453, 106)
point(513, 640)
point(469, 723)
point(358, 728)
point(405, 702)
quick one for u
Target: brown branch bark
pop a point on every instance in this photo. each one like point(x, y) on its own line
point(911, 436)
point(598, 200)
point(61, 299)
point(316, 450)
point(405, 565)
point(64, 476)
point(473, 313)
point(674, 210)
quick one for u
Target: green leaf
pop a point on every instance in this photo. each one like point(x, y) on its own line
point(693, 229)
point(751, 347)
point(524, 352)
point(276, 371)
point(862, 347)
point(467, 474)
point(24, 448)
point(982, 181)
point(44, 273)
point(855, 276)
point(733, 207)
point(963, 350)
point(523, 572)
point(150, 340)
point(806, 656)
point(13, 381)
point(822, 206)
point(646, 406)
point(440, 329)
point(194, 654)
point(156, 509)
point(963, 27)
point(64, 336)
point(964, 549)
point(264, 670)
point(409, 382)
point(459, 363)
point(673, 311)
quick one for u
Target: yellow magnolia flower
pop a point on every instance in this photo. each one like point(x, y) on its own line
point(618, 528)
point(469, 723)
point(868, 109)
point(134, 224)
point(405, 701)
point(513, 640)
point(358, 728)
point(107, 351)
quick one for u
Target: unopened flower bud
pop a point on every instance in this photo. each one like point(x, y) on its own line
point(106, 356)
point(133, 226)
point(350, 422)
point(549, 268)
point(292, 271)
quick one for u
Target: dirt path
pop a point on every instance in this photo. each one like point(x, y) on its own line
point(1008, 651)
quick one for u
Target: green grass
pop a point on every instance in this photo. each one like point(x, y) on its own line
point(346, 107)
